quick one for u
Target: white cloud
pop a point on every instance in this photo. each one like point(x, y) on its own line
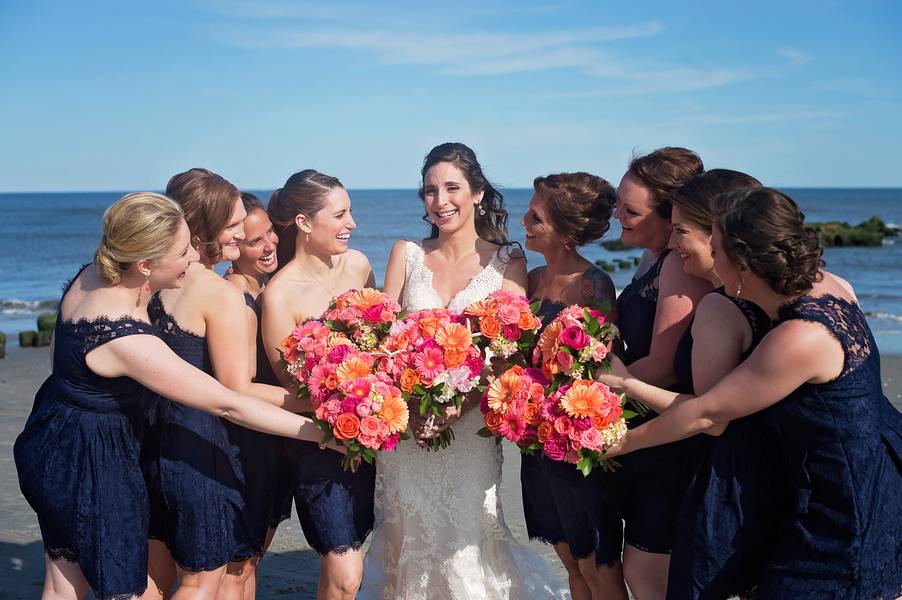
point(796, 57)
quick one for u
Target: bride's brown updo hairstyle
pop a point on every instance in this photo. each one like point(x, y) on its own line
point(137, 227)
point(579, 205)
point(764, 231)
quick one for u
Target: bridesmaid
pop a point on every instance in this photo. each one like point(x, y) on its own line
point(567, 211)
point(720, 539)
point(268, 501)
point(816, 377)
point(312, 214)
point(77, 458)
point(655, 310)
point(203, 485)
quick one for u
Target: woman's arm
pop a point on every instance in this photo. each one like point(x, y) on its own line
point(150, 362)
point(278, 322)
point(792, 354)
point(515, 278)
point(678, 294)
point(241, 283)
point(396, 271)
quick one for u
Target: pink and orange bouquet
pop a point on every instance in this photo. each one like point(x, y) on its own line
point(434, 360)
point(576, 422)
point(352, 403)
point(365, 316)
point(574, 345)
point(506, 323)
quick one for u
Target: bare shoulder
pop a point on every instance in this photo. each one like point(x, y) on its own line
point(717, 313)
point(238, 281)
point(675, 280)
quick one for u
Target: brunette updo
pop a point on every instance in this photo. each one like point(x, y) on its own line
point(137, 227)
point(663, 172)
point(304, 193)
point(698, 198)
point(764, 231)
point(579, 205)
point(208, 201)
point(251, 202)
point(491, 226)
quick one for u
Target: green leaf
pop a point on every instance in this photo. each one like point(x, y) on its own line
point(424, 404)
point(367, 458)
point(534, 307)
point(485, 433)
point(629, 414)
point(436, 410)
point(420, 390)
point(585, 466)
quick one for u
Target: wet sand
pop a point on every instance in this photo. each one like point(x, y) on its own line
point(290, 569)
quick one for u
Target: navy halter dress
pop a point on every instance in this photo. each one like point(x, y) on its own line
point(561, 505)
point(201, 481)
point(840, 447)
point(725, 524)
point(651, 481)
point(78, 465)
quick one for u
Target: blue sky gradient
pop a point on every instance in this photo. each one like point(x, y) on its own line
point(120, 95)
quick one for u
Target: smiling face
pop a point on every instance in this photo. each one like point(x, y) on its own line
point(540, 234)
point(447, 197)
point(169, 270)
point(642, 226)
point(258, 248)
point(729, 274)
point(331, 226)
point(692, 244)
point(233, 233)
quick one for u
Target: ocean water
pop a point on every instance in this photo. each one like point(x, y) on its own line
point(44, 238)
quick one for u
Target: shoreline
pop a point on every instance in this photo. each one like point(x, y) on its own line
point(290, 568)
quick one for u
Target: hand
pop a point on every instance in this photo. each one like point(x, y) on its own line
point(618, 375)
point(618, 448)
point(334, 446)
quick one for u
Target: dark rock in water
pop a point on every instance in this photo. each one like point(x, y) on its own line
point(2, 345)
point(868, 233)
point(615, 245)
point(46, 321)
point(27, 338)
point(44, 338)
point(604, 265)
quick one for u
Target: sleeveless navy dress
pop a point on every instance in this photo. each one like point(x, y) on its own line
point(725, 524)
point(267, 494)
point(78, 464)
point(202, 485)
point(840, 445)
point(651, 481)
point(561, 505)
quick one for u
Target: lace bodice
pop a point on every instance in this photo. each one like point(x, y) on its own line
point(440, 531)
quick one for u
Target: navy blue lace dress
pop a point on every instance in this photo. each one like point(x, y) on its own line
point(561, 505)
point(650, 481)
point(77, 461)
point(841, 463)
point(202, 484)
point(725, 525)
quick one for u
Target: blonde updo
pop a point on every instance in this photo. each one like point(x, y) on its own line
point(138, 226)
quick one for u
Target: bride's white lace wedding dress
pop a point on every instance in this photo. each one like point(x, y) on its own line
point(440, 531)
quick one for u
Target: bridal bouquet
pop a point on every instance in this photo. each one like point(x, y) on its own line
point(574, 422)
point(433, 359)
point(365, 316)
point(506, 323)
point(575, 344)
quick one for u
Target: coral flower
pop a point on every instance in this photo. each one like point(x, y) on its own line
point(409, 379)
point(455, 357)
point(365, 298)
point(527, 321)
point(502, 391)
point(545, 430)
point(330, 382)
point(359, 388)
point(453, 336)
point(347, 426)
point(395, 413)
point(429, 363)
point(481, 308)
point(352, 368)
point(548, 342)
point(493, 420)
point(583, 399)
point(513, 426)
point(490, 327)
point(428, 325)
point(531, 413)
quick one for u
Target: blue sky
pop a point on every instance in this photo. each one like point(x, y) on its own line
point(121, 95)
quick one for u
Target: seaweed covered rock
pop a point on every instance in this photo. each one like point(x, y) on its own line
point(867, 233)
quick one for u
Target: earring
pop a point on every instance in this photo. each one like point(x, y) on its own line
point(147, 285)
point(307, 238)
point(481, 210)
point(739, 288)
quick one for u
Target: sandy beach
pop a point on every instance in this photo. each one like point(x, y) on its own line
point(291, 567)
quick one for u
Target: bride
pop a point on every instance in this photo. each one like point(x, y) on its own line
point(440, 532)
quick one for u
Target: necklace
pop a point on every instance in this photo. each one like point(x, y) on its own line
point(319, 282)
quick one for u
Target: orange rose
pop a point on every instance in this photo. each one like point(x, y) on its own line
point(428, 326)
point(516, 369)
point(531, 413)
point(493, 421)
point(545, 429)
point(455, 357)
point(490, 327)
point(527, 321)
point(409, 379)
point(347, 426)
point(330, 382)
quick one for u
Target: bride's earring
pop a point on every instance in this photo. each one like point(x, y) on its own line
point(739, 289)
point(481, 209)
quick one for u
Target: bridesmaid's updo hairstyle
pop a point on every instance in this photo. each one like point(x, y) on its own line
point(208, 200)
point(579, 205)
point(304, 193)
point(764, 231)
point(251, 202)
point(698, 198)
point(137, 227)
point(491, 226)
point(665, 171)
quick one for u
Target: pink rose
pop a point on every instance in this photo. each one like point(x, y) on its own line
point(511, 332)
point(370, 426)
point(555, 447)
point(591, 439)
point(373, 314)
point(349, 405)
point(321, 413)
point(386, 316)
point(601, 351)
point(574, 337)
point(562, 424)
point(368, 441)
point(508, 315)
point(582, 423)
point(339, 353)
point(565, 359)
point(333, 406)
point(391, 442)
point(364, 409)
